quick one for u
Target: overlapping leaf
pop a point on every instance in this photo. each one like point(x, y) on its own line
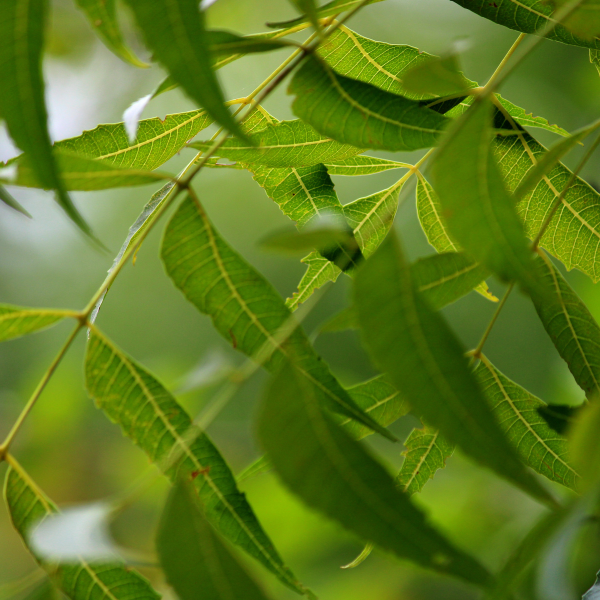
point(571, 327)
point(80, 580)
point(16, 321)
point(360, 114)
point(337, 476)
point(244, 307)
point(363, 165)
point(319, 271)
point(426, 363)
point(527, 16)
point(149, 415)
point(516, 410)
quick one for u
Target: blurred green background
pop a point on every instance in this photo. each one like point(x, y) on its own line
point(77, 455)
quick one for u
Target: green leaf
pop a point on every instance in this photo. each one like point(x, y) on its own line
point(559, 416)
point(225, 44)
point(440, 77)
point(149, 415)
point(244, 307)
point(584, 447)
point(341, 321)
point(477, 207)
point(527, 16)
point(595, 59)
point(325, 239)
point(539, 446)
point(177, 36)
point(86, 174)
point(283, 144)
point(22, 104)
point(584, 21)
point(10, 201)
point(360, 114)
point(310, 10)
point(102, 17)
point(196, 563)
point(16, 321)
point(337, 476)
point(81, 580)
point(426, 363)
point(571, 327)
point(426, 452)
point(363, 165)
point(436, 229)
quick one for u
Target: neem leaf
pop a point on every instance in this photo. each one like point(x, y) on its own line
point(22, 104)
point(102, 17)
point(79, 580)
point(426, 363)
point(559, 416)
point(10, 201)
point(149, 415)
point(196, 562)
point(337, 476)
point(362, 165)
point(16, 321)
point(244, 307)
point(439, 76)
point(360, 114)
point(584, 21)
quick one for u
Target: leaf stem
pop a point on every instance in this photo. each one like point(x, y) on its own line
point(38, 391)
point(504, 61)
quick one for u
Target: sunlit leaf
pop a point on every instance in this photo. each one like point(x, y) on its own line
point(79, 580)
point(10, 201)
point(16, 321)
point(360, 114)
point(102, 17)
point(571, 327)
point(426, 363)
point(539, 446)
point(244, 307)
point(363, 165)
point(196, 562)
point(337, 476)
point(22, 104)
point(151, 417)
point(527, 16)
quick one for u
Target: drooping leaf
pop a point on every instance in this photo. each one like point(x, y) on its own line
point(102, 17)
point(475, 204)
point(337, 476)
point(426, 452)
point(539, 446)
point(527, 16)
point(16, 321)
point(10, 201)
point(177, 36)
point(571, 327)
point(244, 307)
point(439, 76)
point(151, 417)
point(436, 229)
point(80, 580)
point(362, 165)
point(426, 363)
point(195, 561)
point(283, 144)
point(360, 114)
point(22, 104)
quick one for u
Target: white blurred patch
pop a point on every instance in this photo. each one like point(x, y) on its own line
point(212, 368)
point(131, 117)
point(206, 3)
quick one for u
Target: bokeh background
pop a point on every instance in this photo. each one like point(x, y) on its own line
point(78, 456)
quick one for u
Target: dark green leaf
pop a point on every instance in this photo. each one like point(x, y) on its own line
point(584, 21)
point(360, 114)
point(16, 321)
point(559, 416)
point(152, 418)
point(426, 363)
point(439, 76)
point(10, 201)
point(337, 476)
point(225, 44)
point(244, 307)
point(196, 562)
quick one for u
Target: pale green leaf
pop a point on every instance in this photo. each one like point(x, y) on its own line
point(516, 410)
point(283, 144)
point(244, 307)
point(439, 76)
point(435, 228)
point(16, 321)
point(7, 199)
point(151, 417)
point(476, 206)
point(426, 452)
point(360, 114)
point(426, 363)
point(102, 17)
point(571, 327)
point(22, 104)
point(341, 321)
point(337, 476)
point(81, 580)
point(196, 563)
point(527, 16)
point(363, 165)
point(176, 34)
